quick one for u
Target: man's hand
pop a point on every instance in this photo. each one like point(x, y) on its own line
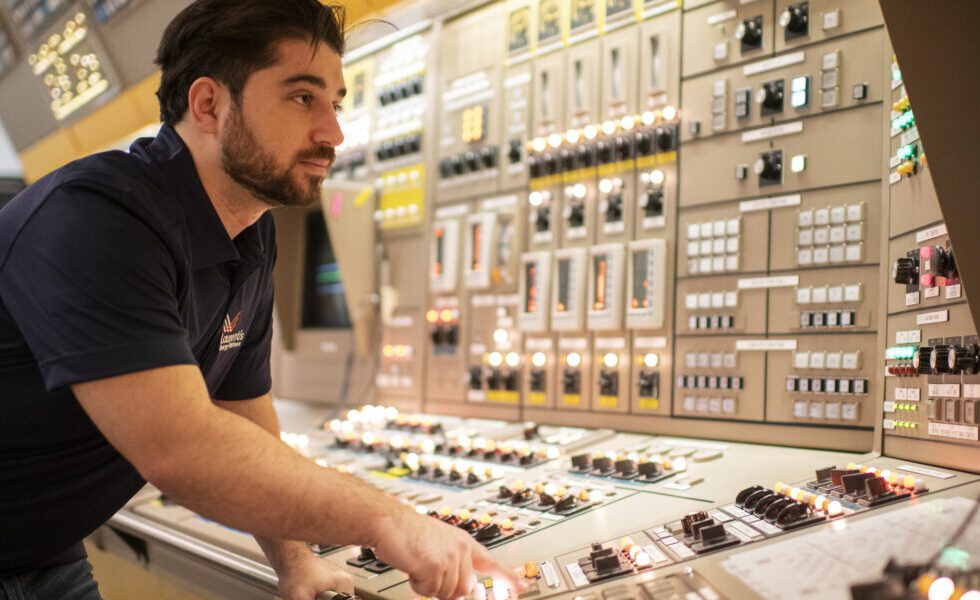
point(304, 579)
point(440, 560)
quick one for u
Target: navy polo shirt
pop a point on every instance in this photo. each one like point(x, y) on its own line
point(113, 264)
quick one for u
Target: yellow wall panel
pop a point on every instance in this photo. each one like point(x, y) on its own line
point(57, 149)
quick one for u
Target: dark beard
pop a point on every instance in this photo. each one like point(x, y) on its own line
point(256, 170)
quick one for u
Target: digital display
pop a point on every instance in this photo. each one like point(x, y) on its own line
point(642, 283)
point(600, 266)
point(474, 124)
point(531, 287)
point(476, 233)
point(324, 304)
point(564, 283)
point(71, 70)
point(440, 253)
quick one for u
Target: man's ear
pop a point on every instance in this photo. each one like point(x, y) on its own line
point(206, 99)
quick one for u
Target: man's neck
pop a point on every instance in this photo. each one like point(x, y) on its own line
point(236, 208)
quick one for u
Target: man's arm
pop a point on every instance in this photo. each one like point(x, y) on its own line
point(301, 575)
point(226, 467)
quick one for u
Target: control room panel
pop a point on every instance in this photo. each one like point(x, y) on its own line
point(666, 292)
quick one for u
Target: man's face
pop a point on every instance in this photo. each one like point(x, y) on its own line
point(278, 142)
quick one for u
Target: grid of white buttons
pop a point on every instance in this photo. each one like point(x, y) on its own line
point(713, 246)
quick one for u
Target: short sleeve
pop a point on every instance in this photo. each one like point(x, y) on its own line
point(93, 289)
point(250, 375)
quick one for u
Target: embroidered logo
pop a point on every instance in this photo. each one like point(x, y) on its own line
point(231, 338)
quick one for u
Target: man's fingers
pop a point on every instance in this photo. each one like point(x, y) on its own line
point(447, 589)
point(483, 563)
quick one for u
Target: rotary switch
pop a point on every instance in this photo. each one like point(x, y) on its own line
point(644, 143)
point(749, 33)
point(943, 262)
point(795, 21)
point(472, 161)
point(666, 138)
point(769, 168)
point(534, 165)
point(567, 158)
point(542, 222)
point(575, 215)
point(770, 97)
point(652, 202)
point(489, 157)
point(551, 165)
point(906, 270)
point(514, 152)
point(922, 359)
point(964, 359)
point(624, 147)
point(939, 359)
point(586, 155)
point(606, 152)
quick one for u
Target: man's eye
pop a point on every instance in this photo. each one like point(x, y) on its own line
point(304, 99)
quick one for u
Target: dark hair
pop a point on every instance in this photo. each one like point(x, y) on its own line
point(229, 40)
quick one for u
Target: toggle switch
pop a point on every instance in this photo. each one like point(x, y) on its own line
point(749, 33)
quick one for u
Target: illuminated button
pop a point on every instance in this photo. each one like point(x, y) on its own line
point(610, 360)
point(906, 168)
point(506, 524)
point(539, 359)
point(909, 482)
point(651, 360)
point(531, 570)
point(573, 360)
point(834, 508)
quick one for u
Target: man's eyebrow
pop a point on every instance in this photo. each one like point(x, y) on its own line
point(305, 78)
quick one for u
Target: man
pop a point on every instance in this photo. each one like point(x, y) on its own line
point(118, 276)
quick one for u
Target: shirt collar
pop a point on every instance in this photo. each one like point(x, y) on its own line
point(209, 241)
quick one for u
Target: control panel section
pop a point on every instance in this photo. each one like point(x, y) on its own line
point(826, 301)
point(400, 83)
point(646, 284)
point(713, 241)
point(726, 33)
point(713, 378)
point(540, 385)
point(569, 289)
point(574, 372)
point(534, 291)
point(826, 380)
point(611, 373)
point(719, 306)
point(606, 287)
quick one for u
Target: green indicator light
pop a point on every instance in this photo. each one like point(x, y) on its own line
point(900, 353)
point(907, 152)
point(896, 74)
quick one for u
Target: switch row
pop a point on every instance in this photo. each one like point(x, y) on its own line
point(711, 322)
point(818, 410)
point(953, 410)
point(710, 382)
point(401, 90)
point(390, 149)
point(848, 361)
point(826, 385)
point(834, 318)
point(468, 162)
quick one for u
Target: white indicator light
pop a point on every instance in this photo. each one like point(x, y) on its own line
point(648, 118)
point(798, 163)
point(513, 359)
point(651, 360)
point(501, 336)
point(572, 136)
point(579, 191)
point(611, 360)
point(942, 589)
point(554, 140)
point(605, 186)
point(495, 359)
point(628, 123)
point(609, 127)
point(539, 144)
point(535, 199)
point(573, 360)
point(669, 113)
point(590, 132)
point(539, 359)
point(657, 177)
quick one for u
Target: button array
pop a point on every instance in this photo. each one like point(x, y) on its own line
point(710, 382)
point(826, 385)
point(711, 301)
point(709, 406)
point(833, 318)
point(831, 235)
point(847, 361)
point(713, 247)
point(818, 410)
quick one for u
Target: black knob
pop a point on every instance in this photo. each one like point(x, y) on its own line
point(571, 381)
point(457, 165)
point(614, 207)
point(586, 155)
point(920, 362)
point(624, 147)
point(795, 20)
point(514, 153)
point(939, 359)
point(510, 381)
point(652, 202)
point(543, 220)
point(576, 214)
point(417, 85)
point(749, 32)
point(472, 161)
point(489, 157)
point(452, 335)
point(906, 270)
point(476, 378)
point(606, 152)
point(495, 380)
point(535, 166)
point(415, 143)
point(769, 166)
point(550, 163)
point(770, 97)
point(964, 359)
point(943, 262)
point(609, 383)
point(667, 138)
point(567, 157)
point(644, 143)
point(445, 168)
